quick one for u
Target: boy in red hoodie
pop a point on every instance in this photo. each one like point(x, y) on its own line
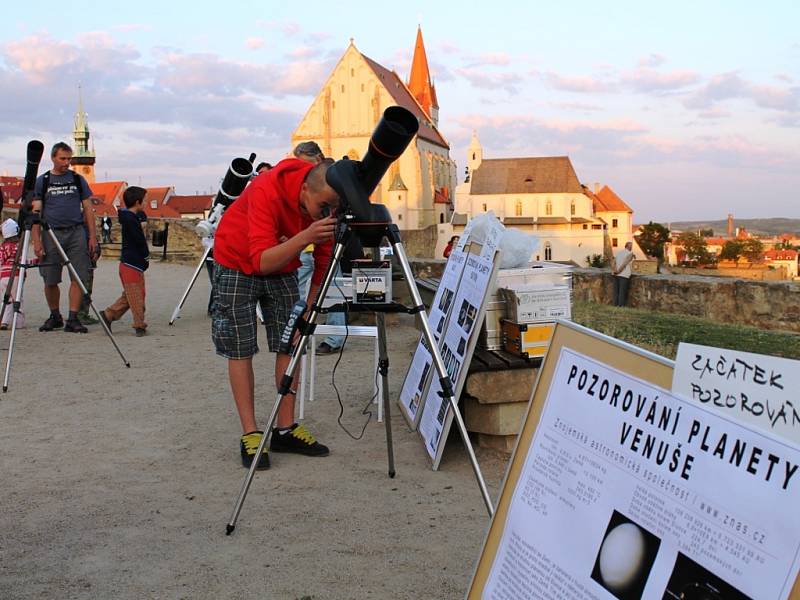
point(256, 251)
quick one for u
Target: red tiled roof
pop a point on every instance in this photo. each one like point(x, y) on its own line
point(403, 97)
point(164, 212)
point(190, 204)
point(108, 191)
point(102, 208)
point(161, 210)
point(781, 255)
point(11, 193)
point(610, 202)
point(441, 196)
point(419, 80)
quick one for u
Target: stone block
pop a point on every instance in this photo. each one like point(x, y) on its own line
point(494, 419)
point(495, 387)
point(501, 443)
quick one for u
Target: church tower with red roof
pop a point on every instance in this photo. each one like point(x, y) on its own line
point(419, 81)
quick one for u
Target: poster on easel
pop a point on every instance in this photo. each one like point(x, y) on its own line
point(618, 489)
point(417, 380)
point(759, 389)
point(461, 332)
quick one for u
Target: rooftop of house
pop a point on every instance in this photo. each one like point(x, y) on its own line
point(537, 175)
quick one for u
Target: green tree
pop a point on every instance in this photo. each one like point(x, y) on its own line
point(695, 247)
point(731, 250)
point(597, 260)
point(753, 249)
point(706, 232)
point(652, 239)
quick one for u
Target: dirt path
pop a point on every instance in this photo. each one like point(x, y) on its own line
point(118, 483)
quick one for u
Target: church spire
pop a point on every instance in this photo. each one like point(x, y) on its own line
point(83, 158)
point(419, 81)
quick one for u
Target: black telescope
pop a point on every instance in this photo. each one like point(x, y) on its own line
point(235, 181)
point(239, 174)
point(354, 180)
point(35, 151)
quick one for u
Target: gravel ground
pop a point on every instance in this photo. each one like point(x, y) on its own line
point(118, 483)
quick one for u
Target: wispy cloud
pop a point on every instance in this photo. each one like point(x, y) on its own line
point(254, 43)
point(509, 82)
point(584, 85)
point(731, 86)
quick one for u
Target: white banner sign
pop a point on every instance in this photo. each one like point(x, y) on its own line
point(416, 381)
point(460, 334)
point(628, 492)
point(761, 390)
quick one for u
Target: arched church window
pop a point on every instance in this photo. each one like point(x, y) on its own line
point(441, 218)
point(572, 207)
point(548, 207)
point(548, 251)
point(518, 208)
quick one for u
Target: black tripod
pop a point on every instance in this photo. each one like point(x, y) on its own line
point(21, 264)
point(371, 234)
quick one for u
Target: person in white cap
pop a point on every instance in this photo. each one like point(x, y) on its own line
point(8, 252)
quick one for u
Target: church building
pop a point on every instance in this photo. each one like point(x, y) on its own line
point(543, 196)
point(418, 187)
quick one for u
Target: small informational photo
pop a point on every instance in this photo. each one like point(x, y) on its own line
point(446, 300)
point(690, 580)
point(425, 370)
point(625, 557)
point(462, 346)
point(466, 316)
point(415, 404)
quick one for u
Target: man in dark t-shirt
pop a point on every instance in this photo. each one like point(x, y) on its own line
point(62, 197)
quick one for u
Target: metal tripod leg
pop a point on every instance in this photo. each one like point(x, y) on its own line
point(17, 304)
point(286, 381)
point(438, 362)
point(86, 295)
point(199, 268)
point(383, 368)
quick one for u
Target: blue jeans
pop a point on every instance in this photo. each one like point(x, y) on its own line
point(305, 272)
point(335, 341)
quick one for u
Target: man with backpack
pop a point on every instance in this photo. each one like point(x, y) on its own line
point(62, 198)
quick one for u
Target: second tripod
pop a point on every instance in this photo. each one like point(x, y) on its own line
point(21, 265)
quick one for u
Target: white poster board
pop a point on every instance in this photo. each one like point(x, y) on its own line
point(461, 332)
point(761, 390)
point(418, 377)
point(625, 492)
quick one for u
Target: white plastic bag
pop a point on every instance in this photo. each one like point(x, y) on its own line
point(516, 248)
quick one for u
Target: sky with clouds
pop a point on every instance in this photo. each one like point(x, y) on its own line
point(688, 110)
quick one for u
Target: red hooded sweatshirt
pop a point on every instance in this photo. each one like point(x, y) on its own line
point(265, 215)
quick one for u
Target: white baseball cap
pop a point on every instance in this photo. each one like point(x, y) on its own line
point(10, 228)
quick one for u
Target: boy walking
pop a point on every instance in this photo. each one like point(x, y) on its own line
point(133, 262)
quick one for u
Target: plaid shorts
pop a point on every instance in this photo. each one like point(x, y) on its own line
point(233, 313)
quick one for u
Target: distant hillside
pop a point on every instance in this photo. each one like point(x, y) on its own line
point(774, 226)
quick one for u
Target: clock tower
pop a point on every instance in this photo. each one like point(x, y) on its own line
point(83, 158)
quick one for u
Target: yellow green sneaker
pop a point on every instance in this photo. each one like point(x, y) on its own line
point(248, 445)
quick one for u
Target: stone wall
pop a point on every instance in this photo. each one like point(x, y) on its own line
point(420, 243)
point(769, 305)
point(765, 304)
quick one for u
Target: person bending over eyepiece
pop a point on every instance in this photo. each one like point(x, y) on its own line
point(256, 251)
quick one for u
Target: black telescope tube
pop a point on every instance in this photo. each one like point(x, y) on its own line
point(234, 182)
point(391, 137)
point(35, 151)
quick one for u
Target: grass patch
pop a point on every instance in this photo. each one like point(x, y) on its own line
point(662, 332)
